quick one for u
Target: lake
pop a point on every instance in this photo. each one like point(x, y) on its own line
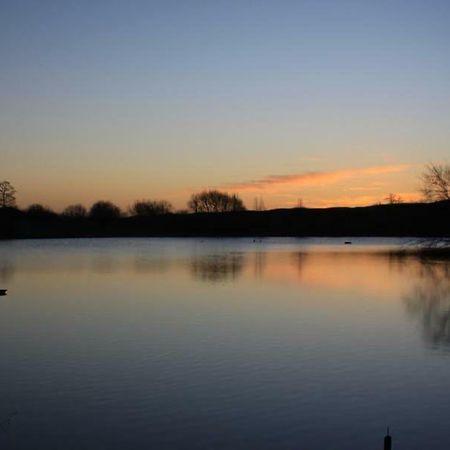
point(222, 344)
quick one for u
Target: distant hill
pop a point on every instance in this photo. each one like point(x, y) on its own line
point(407, 219)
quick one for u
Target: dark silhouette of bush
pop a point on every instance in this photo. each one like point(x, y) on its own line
point(77, 210)
point(104, 210)
point(7, 195)
point(215, 201)
point(151, 208)
point(41, 211)
point(9, 217)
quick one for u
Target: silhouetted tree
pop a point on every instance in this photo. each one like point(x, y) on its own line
point(394, 199)
point(151, 208)
point(76, 210)
point(436, 182)
point(104, 210)
point(7, 195)
point(215, 201)
point(38, 210)
point(259, 204)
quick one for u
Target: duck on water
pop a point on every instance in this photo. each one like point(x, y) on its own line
point(3, 291)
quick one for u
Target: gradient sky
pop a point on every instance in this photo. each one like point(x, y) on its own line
point(334, 102)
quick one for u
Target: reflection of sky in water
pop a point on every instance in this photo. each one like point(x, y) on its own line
point(172, 343)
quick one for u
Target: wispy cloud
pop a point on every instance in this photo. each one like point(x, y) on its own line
point(313, 178)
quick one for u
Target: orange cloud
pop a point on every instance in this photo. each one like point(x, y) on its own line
point(314, 178)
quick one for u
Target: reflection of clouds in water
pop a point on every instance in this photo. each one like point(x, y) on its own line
point(216, 268)
point(7, 270)
point(430, 301)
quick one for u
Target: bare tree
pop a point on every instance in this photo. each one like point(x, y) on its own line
point(393, 199)
point(7, 195)
point(76, 210)
point(436, 182)
point(151, 208)
point(215, 201)
point(259, 204)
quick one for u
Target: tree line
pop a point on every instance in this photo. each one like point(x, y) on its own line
point(203, 202)
point(435, 181)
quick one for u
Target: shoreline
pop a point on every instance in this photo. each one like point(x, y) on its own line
point(408, 220)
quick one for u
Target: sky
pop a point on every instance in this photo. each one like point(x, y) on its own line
point(321, 102)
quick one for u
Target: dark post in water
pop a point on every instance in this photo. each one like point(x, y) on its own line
point(387, 441)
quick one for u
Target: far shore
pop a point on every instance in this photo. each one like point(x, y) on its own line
point(427, 221)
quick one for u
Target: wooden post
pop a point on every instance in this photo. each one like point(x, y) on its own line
point(388, 441)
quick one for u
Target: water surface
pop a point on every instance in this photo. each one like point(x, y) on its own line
point(222, 344)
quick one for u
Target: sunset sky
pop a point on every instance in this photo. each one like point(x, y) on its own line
point(332, 102)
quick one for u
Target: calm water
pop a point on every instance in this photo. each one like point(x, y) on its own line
point(222, 344)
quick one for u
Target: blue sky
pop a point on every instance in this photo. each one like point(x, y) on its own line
point(126, 100)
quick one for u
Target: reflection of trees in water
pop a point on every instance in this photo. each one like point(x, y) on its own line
point(7, 270)
point(215, 268)
point(104, 264)
point(144, 264)
point(398, 262)
point(259, 264)
point(300, 259)
point(430, 300)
